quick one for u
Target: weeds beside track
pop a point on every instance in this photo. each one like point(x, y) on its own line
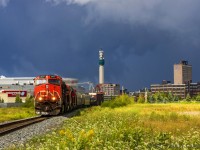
point(137, 126)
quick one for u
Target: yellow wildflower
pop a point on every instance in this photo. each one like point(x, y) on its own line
point(90, 134)
point(62, 132)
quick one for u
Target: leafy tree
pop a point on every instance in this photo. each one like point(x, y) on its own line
point(165, 99)
point(1, 100)
point(155, 97)
point(29, 102)
point(150, 99)
point(188, 98)
point(198, 97)
point(141, 99)
point(161, 97)
point(18, 99)
point(176, 98)
point(170, 97)
point(119, 101)
point(158, 97)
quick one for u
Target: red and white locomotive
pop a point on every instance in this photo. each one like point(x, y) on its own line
point(53, 96)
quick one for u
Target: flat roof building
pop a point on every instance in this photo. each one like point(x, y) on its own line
point(176, 89)
point(8, 96)
point(110, 90)
point(182, 73)
point(30, 81)
point(182, 82)
point(180, 90)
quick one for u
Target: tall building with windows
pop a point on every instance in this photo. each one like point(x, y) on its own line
point(110, 90)
point(182, 82)
point(182, 73)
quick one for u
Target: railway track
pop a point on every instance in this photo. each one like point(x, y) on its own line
point(9, 127)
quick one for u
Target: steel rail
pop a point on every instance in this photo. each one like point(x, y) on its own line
point(9, 127)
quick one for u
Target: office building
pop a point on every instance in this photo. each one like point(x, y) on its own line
point(182, 82)
point(182, 73)
point(110, 90)
point(179, 90)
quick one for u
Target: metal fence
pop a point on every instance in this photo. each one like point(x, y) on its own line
point(5, 105)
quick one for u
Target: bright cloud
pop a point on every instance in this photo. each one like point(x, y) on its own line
point(4, 3)
point(79, 2)
point(167, 15)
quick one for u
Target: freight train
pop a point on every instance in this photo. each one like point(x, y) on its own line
point(52, 96)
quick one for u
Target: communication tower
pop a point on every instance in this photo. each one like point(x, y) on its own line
point(101, 67)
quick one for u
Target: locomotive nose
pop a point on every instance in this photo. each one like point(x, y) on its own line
point(47, 108)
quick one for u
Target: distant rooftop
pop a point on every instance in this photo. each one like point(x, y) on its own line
point(183, 62)
point(29, 80)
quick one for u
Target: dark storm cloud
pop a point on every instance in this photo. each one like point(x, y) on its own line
point(142, 39)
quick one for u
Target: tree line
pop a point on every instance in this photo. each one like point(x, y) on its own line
point(161, 97)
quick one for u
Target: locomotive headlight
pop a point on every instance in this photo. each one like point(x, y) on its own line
point(53, 98)
point(40, 99)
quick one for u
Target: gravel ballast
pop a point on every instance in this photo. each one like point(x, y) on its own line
point(21, 136)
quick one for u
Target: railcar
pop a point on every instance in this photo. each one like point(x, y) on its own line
point(52, 96)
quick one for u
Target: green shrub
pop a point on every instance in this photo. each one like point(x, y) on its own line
point(29, 102)
point(18, 99)
point(141, 99)
point(188, 98)
point(198, 98)
point(120, 101)
point(1, 100)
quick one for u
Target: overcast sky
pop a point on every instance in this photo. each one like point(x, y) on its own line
point(141, 39)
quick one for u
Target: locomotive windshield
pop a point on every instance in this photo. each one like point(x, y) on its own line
point(54, 81)
point(40, 81)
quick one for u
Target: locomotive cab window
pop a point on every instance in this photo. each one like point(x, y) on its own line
point(54, 81)
point(40, 81)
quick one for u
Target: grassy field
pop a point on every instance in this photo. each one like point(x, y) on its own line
point(136, 126)
point(8, 114)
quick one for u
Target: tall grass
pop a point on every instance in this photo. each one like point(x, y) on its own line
point(136, 126)
point(8, 114)
point(119, 101)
